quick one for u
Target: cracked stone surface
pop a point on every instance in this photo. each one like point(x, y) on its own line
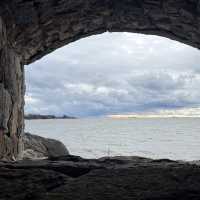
point(37, 27)
point(74, 178)
point(11, 99)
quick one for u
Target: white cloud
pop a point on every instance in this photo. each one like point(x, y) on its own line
point(113, 73)
point(31, 100)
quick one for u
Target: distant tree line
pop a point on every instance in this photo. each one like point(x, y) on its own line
point(38, 116)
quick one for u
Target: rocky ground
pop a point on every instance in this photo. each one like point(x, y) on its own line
point(118, 178)
point(65, 177)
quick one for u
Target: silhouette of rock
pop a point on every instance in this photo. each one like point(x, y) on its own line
point(75, 178)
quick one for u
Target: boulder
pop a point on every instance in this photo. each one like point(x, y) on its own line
point(37, 147)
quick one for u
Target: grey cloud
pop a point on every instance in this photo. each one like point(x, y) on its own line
point(114, 73)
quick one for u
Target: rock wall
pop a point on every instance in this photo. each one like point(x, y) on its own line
point(11, 99)
point(41, 26)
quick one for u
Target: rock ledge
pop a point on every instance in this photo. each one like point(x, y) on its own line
point(75, 178)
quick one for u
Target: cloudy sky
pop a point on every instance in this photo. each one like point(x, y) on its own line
point(115, 73)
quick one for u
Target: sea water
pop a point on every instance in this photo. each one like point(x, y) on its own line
point(173, 138)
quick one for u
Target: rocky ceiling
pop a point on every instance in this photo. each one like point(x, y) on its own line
point(37, 27)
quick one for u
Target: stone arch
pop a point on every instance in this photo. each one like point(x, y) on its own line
point(30, 29)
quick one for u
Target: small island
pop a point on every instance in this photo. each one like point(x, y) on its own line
point(39, 116)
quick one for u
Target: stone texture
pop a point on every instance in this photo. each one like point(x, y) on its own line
point(38, 27)
point(36, 147)
point(11, 99)
point(124, 178)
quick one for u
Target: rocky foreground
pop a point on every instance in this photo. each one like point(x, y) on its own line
point(118, 178)
point(65, 177)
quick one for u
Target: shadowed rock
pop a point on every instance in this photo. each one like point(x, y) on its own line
point(75, 178)
point(37, 28)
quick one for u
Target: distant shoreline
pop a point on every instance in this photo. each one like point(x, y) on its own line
point(150, 116)
point(38, 116)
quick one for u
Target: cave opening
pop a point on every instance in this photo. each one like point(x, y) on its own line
point(148, 106)
point(131, 94)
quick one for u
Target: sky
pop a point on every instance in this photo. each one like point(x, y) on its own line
point(115, 73)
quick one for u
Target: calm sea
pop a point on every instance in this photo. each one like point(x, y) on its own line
point(174, 138)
